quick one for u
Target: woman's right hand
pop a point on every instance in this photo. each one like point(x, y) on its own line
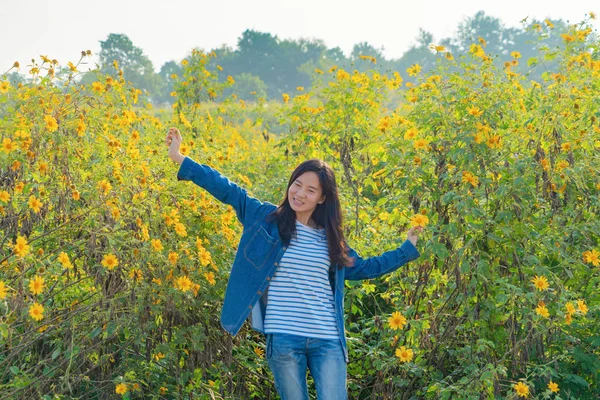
point(173, 142)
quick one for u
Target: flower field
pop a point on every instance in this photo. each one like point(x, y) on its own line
point(112, 273)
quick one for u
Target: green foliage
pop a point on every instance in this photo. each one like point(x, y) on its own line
point(502, 170)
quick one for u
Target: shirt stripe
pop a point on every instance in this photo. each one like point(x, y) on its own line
point(300, 300)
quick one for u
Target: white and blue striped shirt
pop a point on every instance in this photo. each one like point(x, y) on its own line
point(300, 300)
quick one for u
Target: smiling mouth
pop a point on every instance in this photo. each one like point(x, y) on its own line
point(297, 201)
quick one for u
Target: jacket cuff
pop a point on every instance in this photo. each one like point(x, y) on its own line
point(410, 251)
point(185, 170)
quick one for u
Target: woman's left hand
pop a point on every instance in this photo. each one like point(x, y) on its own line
point(413, 234)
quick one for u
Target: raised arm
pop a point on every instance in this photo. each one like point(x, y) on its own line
point(373, 267)
point(246, 207)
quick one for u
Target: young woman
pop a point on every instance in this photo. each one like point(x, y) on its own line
point(289, 271)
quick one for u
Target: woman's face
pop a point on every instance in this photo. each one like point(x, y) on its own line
point(305, 193)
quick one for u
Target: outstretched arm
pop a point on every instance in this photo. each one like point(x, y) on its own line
point(373, 267)
point(246, 207)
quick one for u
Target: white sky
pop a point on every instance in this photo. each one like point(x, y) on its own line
point(169, 29)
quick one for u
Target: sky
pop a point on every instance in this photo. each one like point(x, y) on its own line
point(169, 29)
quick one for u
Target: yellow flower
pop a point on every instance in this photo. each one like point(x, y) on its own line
point(545, 164)
point(259, 352)
point(245, 179)
point(210, 278)
point(184, 283)
point(540, 282)
point(76, 195)
point(286, 98)
point(97, 86)
point(104, 186)
point(549, 24)
point(553, 386)
point(205, 257)
point(542, 310)
point(173, 257)
point(300, 88)
point(8, 145)
point(64, 260)
point(180, 229)
point(568, 319)
point(474, 111)
point(414, 70)
point(3, 291)
point(156, 244)
point(419, 220)
point(411, 133)
point(590, 256)
point(80, 128)
point(4, 86)
point(21, 247)
point(163, 390)
point(110, 261)
point(521, 389)
point(582, 307)
point(136, 274)
point(404, 354)
point(43, 167)
point(397, 321)
point(36, 311)
point(121, 388)
point(4, 196)
point(72, 66)
point(51, 124)
point(515, 54)
point(470, 178)
point(35, 204)
point(570, 308)
point(420, 144)
point(342, 75)
point(36, 285)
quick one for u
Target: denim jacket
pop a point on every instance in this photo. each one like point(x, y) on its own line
point(260, 250)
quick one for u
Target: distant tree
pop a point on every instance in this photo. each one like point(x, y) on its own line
point(169, 74)
point(15, 78)
point(137, 67)
point(419, 53)
point(247, 87)
point(276, 62)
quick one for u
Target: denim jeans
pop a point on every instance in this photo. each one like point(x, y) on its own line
point(290, 355)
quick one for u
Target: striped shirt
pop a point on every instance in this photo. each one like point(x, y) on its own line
point(300, 300)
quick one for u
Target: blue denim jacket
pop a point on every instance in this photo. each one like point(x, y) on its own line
point(260, 251)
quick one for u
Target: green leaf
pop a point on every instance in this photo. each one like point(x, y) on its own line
point(56, 353)
point(532, 61)
point(14, 369)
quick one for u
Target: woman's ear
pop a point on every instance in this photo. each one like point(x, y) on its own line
point(321, 200)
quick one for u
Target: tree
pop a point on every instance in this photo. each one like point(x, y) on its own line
point(137, 67)
point(247, 87)
point(420, 53)
point(169, 73)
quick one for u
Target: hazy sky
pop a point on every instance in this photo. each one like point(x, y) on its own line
point(169, 29)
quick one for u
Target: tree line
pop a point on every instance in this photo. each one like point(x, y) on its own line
point(265, 66)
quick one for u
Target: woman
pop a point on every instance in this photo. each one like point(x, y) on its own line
point(289, 271)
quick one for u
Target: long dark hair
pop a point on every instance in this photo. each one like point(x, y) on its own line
point(327, 215)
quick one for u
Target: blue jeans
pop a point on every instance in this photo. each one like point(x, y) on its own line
point(289, 356)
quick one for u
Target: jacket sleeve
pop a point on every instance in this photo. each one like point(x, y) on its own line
point(373, 267)
point(246, 207)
